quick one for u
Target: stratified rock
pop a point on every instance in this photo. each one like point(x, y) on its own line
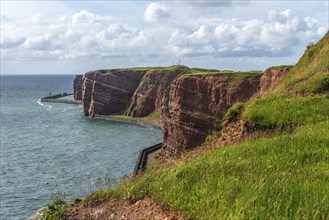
point(195, 105)
point(149, 95)
point(108, 92)
point(271, 79)
point(77, 87)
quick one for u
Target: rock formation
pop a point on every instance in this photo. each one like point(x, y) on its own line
point(77, 87)
point(105, 93)
point(195, 105)
point(271, 79)
point(149, 95)
point(192, 104)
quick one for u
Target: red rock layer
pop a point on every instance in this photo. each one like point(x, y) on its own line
point(149, 95)
point(271, 79)
point(77, 87)
point(110, 92)
point(195, 106)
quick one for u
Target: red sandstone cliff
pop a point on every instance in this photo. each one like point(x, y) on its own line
point(270, 79)
point(149, 95)
point(192, 105)
point(195, 105)
point(109, 92)
point(77, 87)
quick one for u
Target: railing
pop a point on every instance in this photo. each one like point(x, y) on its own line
point(143, 157)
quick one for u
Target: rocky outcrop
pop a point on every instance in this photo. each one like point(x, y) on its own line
point(108, 92)
point(271, 79)
point(77, 87)
point(149, 95)
point(40, 214)
point(195, 105)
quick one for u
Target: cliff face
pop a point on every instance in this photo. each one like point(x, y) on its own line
point(110, 92)
point(149, 95)
point(271, 79)
point(77, 87)
point(195, 105)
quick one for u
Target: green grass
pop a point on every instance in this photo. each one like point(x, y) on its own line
point(286, 112)
point(281, 66)
point(311, 73)
point(154, 115)
point(285, 177)
point(205, 72)
point(159, 69)
point(234, 112)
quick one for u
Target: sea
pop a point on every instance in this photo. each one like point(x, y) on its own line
point(50, 150)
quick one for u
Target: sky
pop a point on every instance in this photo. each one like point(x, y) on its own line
point(73, 37)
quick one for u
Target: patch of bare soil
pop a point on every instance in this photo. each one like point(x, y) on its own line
point(116, 208)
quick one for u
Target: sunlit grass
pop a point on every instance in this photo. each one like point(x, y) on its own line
point(285, 177)
point(286, 112)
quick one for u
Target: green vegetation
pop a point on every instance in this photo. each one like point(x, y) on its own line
point(160, 69)
point(202, 70)
point(171, 69)
point(206, 117)
point(285, 177)
point(104, 71)
point(234, 112)
point(311, 73)
point(99, 196)
point(57, 209)
point(281, 66)
point(284, 112)
point(154, 115)
point(205, 72)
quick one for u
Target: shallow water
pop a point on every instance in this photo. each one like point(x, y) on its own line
point(50, 147)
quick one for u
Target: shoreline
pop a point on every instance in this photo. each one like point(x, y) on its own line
point(154, 123)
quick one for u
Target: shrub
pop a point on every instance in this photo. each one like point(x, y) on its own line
point(234, 112)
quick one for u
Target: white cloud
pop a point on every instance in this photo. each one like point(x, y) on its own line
point(207, 3)
point(277, 36)
point(7, 42)
point(155, 12)
point(85, 17)
point(85, 36)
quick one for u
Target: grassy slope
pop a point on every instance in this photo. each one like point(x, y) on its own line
point(311, 73)
point(286, 112)
point(284, 177)
point(275, 178)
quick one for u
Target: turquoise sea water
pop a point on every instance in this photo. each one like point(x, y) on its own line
point(49, 147)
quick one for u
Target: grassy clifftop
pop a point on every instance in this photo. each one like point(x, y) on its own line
point(311, 73)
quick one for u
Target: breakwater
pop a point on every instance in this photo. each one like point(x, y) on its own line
point(145, 157)
point(58, 98)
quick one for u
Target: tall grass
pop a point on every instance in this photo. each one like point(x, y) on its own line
point(286, 112)
point(277, 178)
